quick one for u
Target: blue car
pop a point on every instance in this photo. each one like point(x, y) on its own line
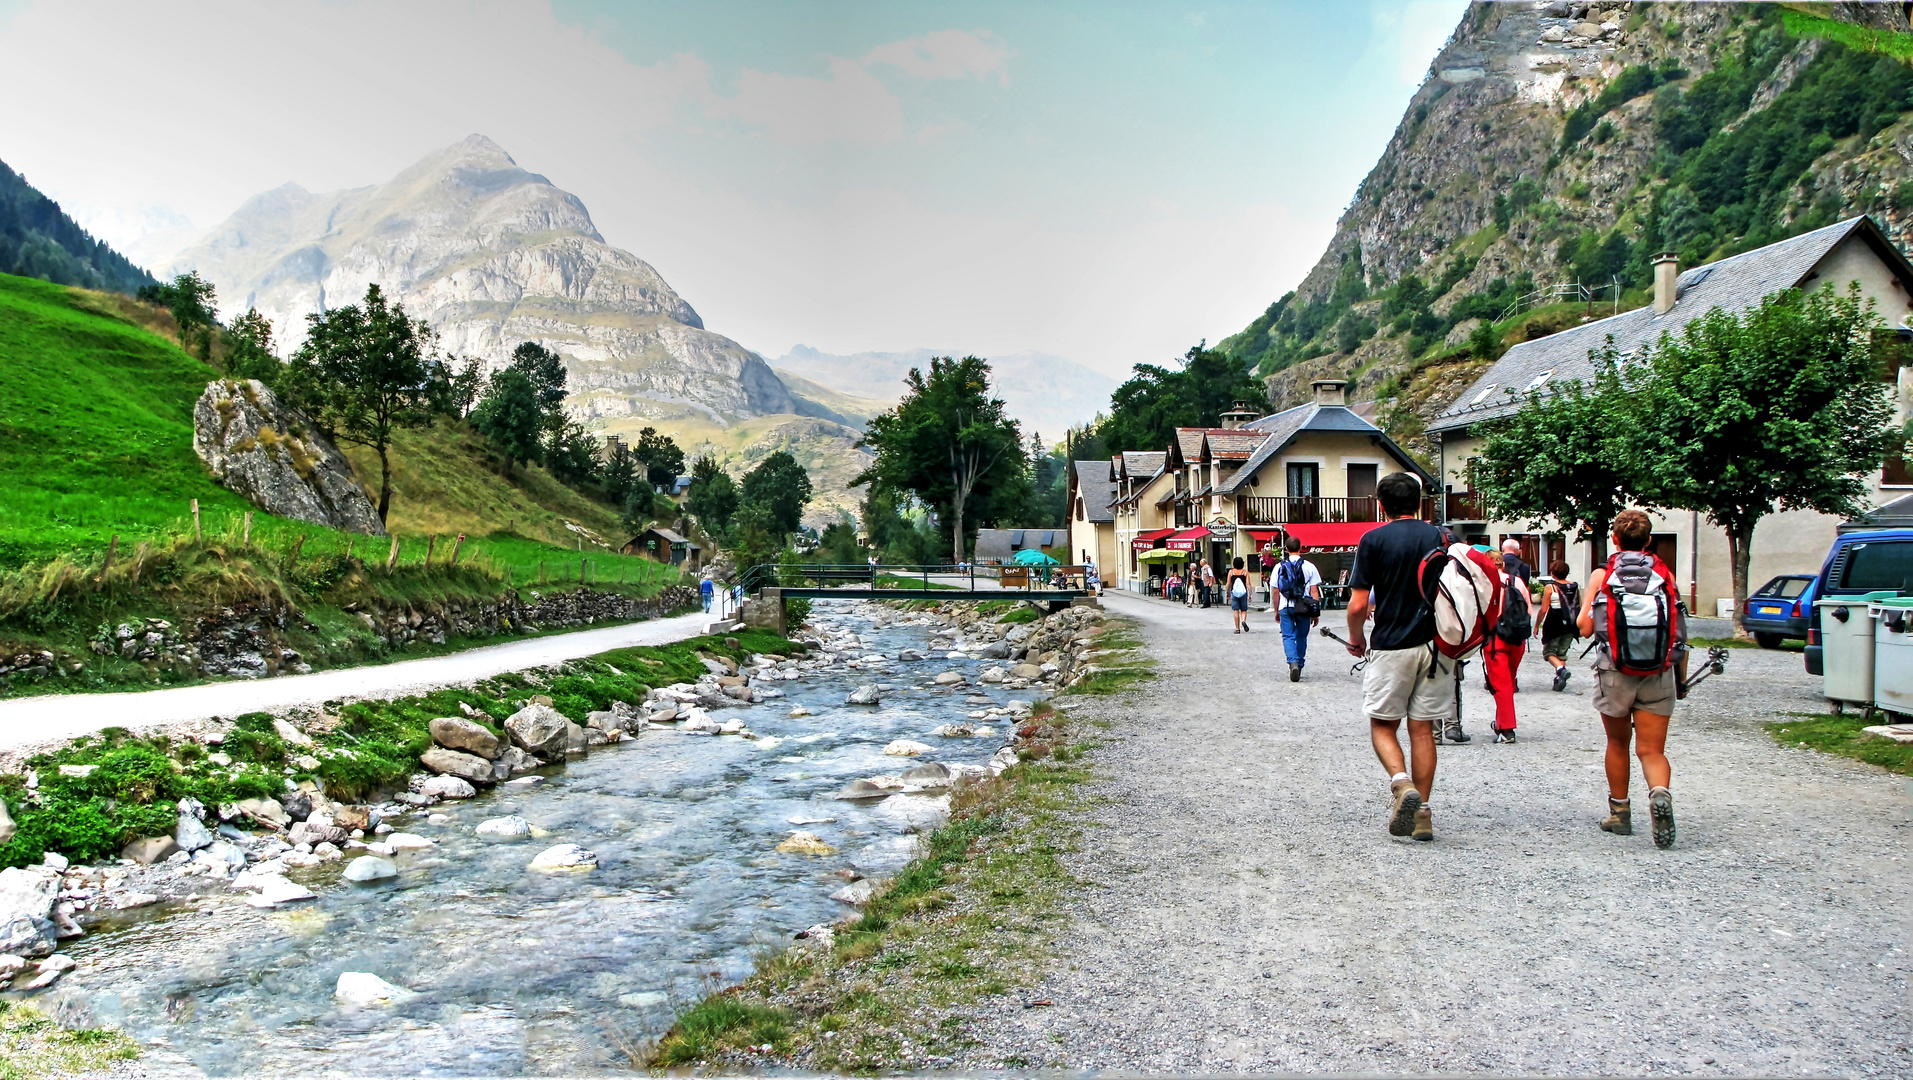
point(1780, 609)
point(1862, 561)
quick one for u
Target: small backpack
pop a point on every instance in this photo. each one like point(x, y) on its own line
point(1458, 584)
point(1638, 616)
point(1293, 583)
point(1240, 588)
point(1515, 624)
point(1561, 614)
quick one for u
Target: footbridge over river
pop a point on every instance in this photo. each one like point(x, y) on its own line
point(767, 586)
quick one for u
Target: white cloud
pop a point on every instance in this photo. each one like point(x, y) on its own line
point(946, 54)
point(850, 106)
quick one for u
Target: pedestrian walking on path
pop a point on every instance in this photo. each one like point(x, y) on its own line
point(1405, 677)
point(1633, 610)
point(1238, 589)
point(1560, 612)
point(1298, 604)
point(1209, 583)
point(707, 589)
point(1501, 656)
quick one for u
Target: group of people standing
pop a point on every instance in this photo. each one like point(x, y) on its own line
point(1408, 678)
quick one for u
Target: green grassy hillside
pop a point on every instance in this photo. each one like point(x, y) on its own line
point(96, 443)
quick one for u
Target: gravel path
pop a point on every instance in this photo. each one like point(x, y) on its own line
point(1247, 911)
point(54, 718)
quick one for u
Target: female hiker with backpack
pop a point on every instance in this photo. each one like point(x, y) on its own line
point(1561, 608)
point(1238, 589)
point(1501, 656)
point(1633, 609)
point(1298, 604)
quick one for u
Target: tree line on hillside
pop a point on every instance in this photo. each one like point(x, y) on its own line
point(368, 370)
point(38, 240)
point(1788, 406)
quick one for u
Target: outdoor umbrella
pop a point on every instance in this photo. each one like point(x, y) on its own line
point(1162, 555)
point(1033, 557)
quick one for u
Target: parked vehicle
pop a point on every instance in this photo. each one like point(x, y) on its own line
point(1862, 562)
point(1780, 609)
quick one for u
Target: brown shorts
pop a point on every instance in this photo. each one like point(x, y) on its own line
point(1618, 694)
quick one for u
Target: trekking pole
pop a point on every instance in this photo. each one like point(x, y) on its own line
point(1333, 636)
point(1716, 665)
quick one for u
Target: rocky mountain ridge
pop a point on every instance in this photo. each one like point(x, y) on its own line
point(1555, 146)
point(490, 255)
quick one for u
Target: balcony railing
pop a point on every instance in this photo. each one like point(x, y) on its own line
point(1465, 506)
point(1284, 510)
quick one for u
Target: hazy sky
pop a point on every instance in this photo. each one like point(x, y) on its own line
point(1103, 181)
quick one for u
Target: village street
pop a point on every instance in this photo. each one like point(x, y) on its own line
point(1243, 908)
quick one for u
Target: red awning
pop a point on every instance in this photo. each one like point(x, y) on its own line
point(1147, 539)
point(1330, 535)
point(1264, 539)
point(1187, 539)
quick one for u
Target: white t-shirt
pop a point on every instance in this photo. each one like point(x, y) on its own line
point(1311, 577)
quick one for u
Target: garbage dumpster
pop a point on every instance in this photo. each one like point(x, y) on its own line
point(1893, 657)
point(1846, 641)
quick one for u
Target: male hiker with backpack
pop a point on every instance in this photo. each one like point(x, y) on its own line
point(1406, 677)
point(1560, 609)
point(1633, 609)
point(1501, 656)
point(1298, 604)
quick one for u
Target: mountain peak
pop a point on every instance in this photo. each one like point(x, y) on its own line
point(479, 150)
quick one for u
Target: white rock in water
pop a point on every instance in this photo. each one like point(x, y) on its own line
point(275, 890)
point(643, 999)
point(370, 868)
point(949, 678)
point(565, 857)
point(863, 695)
point(505, 828)
point(126, 901)
point(698, 720)
point(857, 892)
point(362, 988)
point(447, 786)
point(526, 781)
point(906, 748)
point(731, 727)
point(798, 711)
point(405, 841)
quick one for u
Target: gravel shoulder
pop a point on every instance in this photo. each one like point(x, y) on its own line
point(56, 718)
point(1244, 910)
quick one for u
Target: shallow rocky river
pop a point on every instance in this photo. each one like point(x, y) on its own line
point(516, 971)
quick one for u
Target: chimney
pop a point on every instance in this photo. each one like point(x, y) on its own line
point(1237, 417)
point(1667, 270)
point(1329, 391)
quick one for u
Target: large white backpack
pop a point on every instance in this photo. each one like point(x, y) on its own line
point(1461, 585)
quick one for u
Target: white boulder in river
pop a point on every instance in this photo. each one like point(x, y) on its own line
point(505, 828)
point(370, 868)
point(565, 857)
point(906, 748)
point(364, 988)
point(863, 695)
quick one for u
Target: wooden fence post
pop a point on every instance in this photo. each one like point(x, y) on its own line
point(349, 541)
point(195, 521)
point(456, 544)
point(392, 560)
point(431, 542)
point(245, 536)
point(298, 546)
point(111, 546)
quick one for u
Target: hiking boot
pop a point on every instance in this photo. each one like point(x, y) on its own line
point(1453, 733)
point(1660, 804)
point(1504, 736)
point(1561, 678)
point(1406, 808)
point(1620, 819)
point(1424, 824)
point(1295, 673)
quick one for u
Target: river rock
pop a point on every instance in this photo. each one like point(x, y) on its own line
point(577, 743)
point(352, 817)
point(859, 790)
point(906, 748)
point(540, 730)
point(405, 841)
point(1003, 759)
point(992, 675)
point(458, 733)
point(448, 787)
point(149, 850)
point(863, 695)
point(191, 834)
point(731, 727)
point(666, 715)
point(949, 678)
point(514, 762)
point(1026, 671)
point(77, 772)
point(26, 911)
point(271, 454)
point(857, 893)
point(48, 971)
point(305, 832)
point(362, 989)
point(995, 650)
point(699, 720)
point(275, 890)
point(457, 763)
point(368, 868)
point(7, 827)
point(799, 711)
point(565, 858)
point(294, 805)
point(504, 828)
point(805, 843)
point(930, 774)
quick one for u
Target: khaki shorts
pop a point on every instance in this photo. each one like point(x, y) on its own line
point(1396, 685)
point(1557, 647)
point(1618, 694)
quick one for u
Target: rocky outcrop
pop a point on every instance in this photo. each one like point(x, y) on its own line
point(490, 255)
point(272, 455)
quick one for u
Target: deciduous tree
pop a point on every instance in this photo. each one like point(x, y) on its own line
point(712, 499)
point(509, 417)
point(781, 488)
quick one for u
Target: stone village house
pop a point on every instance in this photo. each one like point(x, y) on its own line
point(1696, 550)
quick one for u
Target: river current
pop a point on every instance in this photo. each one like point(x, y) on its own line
point(521, 972)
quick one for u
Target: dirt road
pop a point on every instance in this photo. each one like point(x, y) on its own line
point(1246, 910)
point(55, 717)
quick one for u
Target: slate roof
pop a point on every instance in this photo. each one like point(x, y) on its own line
point(1284, 427)
point(1732, 284)
point(1143, 463)
point(1233, 444)
point(1096, 489)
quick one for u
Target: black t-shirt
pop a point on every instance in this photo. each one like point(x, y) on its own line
point(1388, 563)
point(1516, 567)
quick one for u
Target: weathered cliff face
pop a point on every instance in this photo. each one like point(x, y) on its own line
point(1546, 123)
point(275, 457)
point(490, 255)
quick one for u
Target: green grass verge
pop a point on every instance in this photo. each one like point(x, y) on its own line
point(363, 749)
point(1864, 39)
point(893, 581)
point(33, 1047)
point(970, 917)
point(1841, 735)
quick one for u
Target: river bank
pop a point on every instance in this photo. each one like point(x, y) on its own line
point(708, 848)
